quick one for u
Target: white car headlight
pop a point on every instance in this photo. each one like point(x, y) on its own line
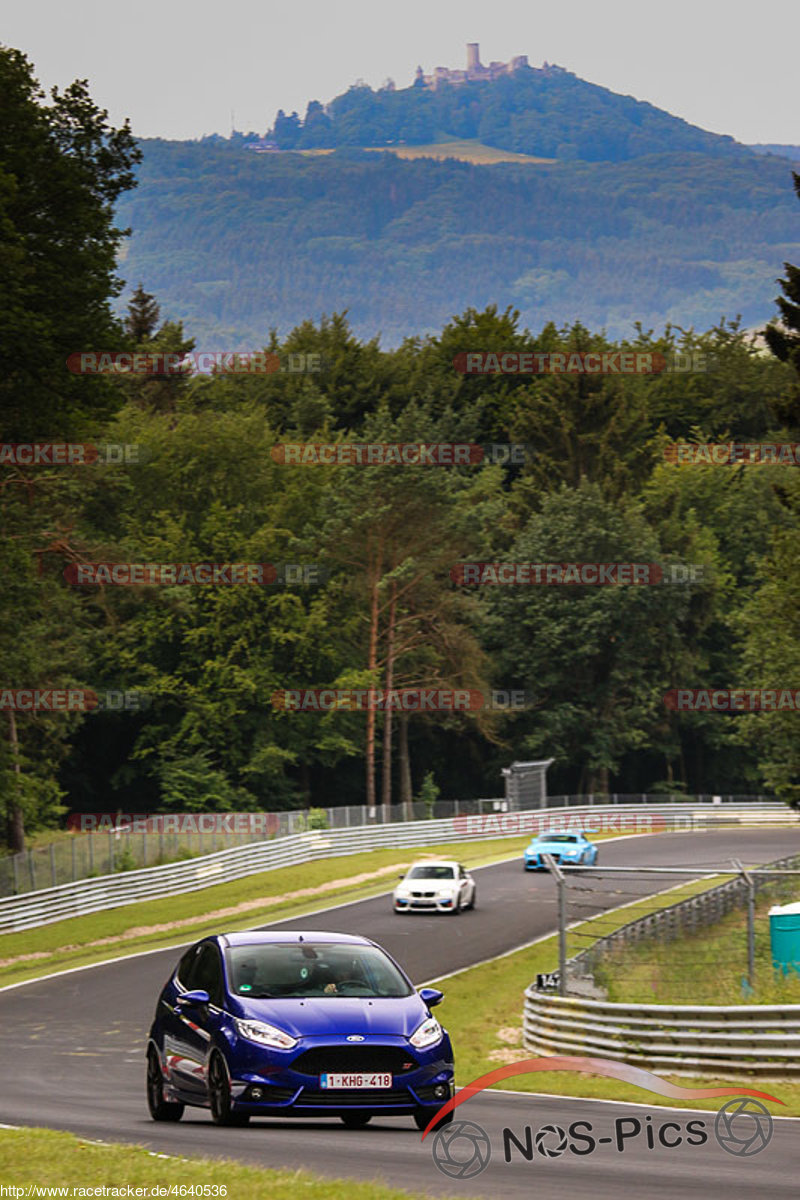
point(427, 1034)
point(264, 1034)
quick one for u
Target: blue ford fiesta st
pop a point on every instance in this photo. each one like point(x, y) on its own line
point(296, 1025)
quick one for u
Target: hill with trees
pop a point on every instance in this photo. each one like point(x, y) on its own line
point(547, 112)
point(237, 243)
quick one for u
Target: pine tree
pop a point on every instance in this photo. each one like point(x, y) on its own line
point(143, 314)
point(784, 339)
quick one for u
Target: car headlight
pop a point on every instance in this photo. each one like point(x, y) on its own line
point(428, 1033)
point(264, 1034)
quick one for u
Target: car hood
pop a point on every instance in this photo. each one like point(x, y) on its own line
point(426, 885)
point(334, 1016)
point(554, 847)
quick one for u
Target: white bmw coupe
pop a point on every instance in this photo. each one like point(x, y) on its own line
point(435, 886)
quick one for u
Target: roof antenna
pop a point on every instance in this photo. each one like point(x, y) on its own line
point(299, 937)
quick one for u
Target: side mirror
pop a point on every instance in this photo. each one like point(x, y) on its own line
point(401, 876)
point(192, 999)
point(431, 996)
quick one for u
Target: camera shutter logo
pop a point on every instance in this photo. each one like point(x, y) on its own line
point(461, 1150)
point(743, 1127)
point(551, 1141)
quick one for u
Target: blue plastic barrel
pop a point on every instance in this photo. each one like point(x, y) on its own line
point(784, 932)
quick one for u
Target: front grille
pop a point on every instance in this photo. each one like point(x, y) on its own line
point(348, 1060)
point(423, 895)
point(369, 1097)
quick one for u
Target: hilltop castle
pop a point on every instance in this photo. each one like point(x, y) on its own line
point(474, 70)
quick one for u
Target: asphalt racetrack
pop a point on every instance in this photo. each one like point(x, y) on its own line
point(72, 1057)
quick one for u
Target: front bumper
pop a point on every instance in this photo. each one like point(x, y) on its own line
point(268, 1098)
point(420, 1079)
point(535, 862)
point(423, 903)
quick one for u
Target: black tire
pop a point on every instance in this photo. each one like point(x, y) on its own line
point(219, 1094)
point(456, 909)
point(474, 900)
point(355, 1120)
point(422, 1119)
point(160, 1109)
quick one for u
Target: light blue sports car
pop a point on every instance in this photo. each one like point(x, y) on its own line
point(569, 849)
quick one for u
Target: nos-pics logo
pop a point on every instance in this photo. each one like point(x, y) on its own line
point(461, 1149)
point(742, 1127)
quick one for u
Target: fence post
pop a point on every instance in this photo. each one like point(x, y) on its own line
point(74, 863)
point(16, 876)
point(110, 853)
point(562, 923)
point(31, 870)
point(751, 922)
point(53, 863)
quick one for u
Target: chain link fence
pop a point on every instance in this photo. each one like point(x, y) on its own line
point(69, 857)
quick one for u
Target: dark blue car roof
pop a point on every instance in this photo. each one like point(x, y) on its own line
point(251, 937)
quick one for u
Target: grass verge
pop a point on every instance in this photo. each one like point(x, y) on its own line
point(483, 1014)
point(42, 1156)
point(270, 895)
point(709, 965)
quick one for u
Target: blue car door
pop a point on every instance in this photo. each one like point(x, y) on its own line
point(188, 1033)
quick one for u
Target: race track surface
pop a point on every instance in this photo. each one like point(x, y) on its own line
point(72, 1055)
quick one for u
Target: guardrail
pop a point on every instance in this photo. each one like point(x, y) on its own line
point(127, 887)
point(692, 1040)
point(685, 1039)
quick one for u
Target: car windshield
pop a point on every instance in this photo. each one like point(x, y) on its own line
point(431, 872)
point(292, 970)
point(557, 837)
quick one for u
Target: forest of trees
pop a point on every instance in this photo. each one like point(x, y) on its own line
point(234, 243)
point(207, 487)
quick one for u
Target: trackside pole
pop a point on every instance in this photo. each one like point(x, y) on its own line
point(751, 921)
point(562, 923)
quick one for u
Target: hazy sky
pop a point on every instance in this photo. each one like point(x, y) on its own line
point(178, 67)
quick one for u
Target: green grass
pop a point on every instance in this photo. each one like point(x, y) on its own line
point(465, 150)
point(708, 966)
point(483, 1014)
point(134, 927)
point(42, 1156)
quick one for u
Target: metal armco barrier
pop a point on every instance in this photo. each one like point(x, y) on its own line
point(113, 891)
point(685, 1039)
